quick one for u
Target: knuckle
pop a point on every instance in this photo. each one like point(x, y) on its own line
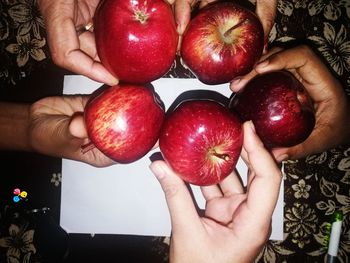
point(57, 58)
point(305, 50)
point(170, 190)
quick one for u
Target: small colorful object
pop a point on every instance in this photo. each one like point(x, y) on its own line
point(19, 195)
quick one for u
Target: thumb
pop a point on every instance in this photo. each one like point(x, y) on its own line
point(183, 214)
point(182, 14)
point(77, 126)
point(266, 11)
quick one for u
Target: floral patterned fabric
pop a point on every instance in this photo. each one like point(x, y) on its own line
point(22, 36)
point(315, 187)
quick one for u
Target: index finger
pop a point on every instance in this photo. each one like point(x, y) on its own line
point(263, 190)
point(183, 213)
point(183, 10)
point(311, 70)
point(266, 11)
point(66, 52)
point(239, 83)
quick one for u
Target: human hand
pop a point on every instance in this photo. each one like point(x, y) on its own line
point(332, 126)
point(236, 223)
point(265, 10)
point(56, 128)
point(69, 49)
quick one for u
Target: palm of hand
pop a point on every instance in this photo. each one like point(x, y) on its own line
point(52, 120)
point(229, 222)
point(330, 109)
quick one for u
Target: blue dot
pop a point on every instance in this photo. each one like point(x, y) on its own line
point(16, 199)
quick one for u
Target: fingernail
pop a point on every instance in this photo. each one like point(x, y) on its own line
point(179, 28)
point(236, 81)
point(251, 124)
point(114, 81)
point(282, 158)
point(158, 170)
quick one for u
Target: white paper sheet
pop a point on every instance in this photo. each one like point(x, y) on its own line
point(127, 199)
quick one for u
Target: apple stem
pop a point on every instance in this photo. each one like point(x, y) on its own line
point(228, 32)
point(222, 156)
point(87, 147)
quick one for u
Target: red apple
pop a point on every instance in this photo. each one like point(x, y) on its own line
point(279, 106)
point(124, 121)
point(221, 42)
point(201, 140)
point(136, 40)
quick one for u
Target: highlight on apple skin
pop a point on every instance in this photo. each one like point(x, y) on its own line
point(124, 121)
point(279, 106)
point(223, 41)
point(136, 40)
point(201, 140)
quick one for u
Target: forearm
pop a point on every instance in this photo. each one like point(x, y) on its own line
point(14, 123)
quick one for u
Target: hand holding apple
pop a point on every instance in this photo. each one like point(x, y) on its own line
point(56, 128)
point(201, 140)
point(221, 42)
point(71, 50)
point(124, 121)
point(265, 10)
point(332, 127)
point(279, 106)
point(236, 223)
point(136, 40)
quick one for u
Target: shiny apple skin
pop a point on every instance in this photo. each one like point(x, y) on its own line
point(190, 134)
point(124, 121)
point(134, 51)
point(279, 106)
point(208, 56)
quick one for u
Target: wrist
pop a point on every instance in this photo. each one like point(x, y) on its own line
point(14, 126)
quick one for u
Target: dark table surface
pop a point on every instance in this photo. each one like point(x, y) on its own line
point(315, 187)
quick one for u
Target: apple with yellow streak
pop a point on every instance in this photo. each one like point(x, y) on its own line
point(124, 121)
point(201, 140)
point(223, 41)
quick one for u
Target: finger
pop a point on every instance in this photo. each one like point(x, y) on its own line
point(183, 214)
point(264, 188)
point(66, 52)
point(238, 83)
point(287, 59)
point(211, 192)
point(266, 11)
point(77, 127)
point(88, 46)
point(80, 63)
point(203, 3)
point(313, 73)
point(231, 185)
point(281, 154)
point(312, 144)
point(222, 210)
point(241, 81)
point(183, 10)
